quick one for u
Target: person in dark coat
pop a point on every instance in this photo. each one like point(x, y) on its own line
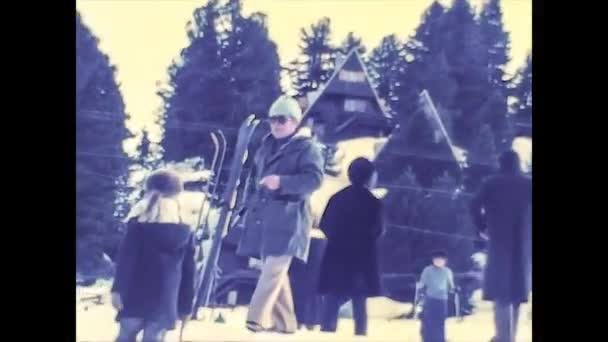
point(352, 222)
point(502, 211)
point(154, 282)
point(304, 278)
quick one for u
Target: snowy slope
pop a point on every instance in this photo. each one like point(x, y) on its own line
point(97, 324)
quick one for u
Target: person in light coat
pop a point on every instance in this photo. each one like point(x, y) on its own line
point(154, 282)
point(288, 168)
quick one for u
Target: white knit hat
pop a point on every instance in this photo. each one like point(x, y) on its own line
point(286, 106)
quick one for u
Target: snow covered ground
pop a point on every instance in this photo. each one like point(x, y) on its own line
point(96, 323)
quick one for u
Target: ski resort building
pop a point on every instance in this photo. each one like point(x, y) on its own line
point(347, 106)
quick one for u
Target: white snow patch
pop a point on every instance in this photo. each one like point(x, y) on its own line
point(480, 259)
point(196, 176)
point(378, 307)
point(366, 147)
point(523, 147)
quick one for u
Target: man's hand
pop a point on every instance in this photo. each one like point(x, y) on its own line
point(116, 301)
point(317, 233)
point(272, 182)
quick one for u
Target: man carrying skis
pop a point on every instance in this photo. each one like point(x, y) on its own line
point(289, 168)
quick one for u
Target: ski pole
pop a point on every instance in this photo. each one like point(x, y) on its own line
point(457, 306)
point(181, 331)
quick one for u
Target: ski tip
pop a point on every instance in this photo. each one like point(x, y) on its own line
point(250, 119)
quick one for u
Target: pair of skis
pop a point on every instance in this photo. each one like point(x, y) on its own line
point(219, 144)
point(226, 204)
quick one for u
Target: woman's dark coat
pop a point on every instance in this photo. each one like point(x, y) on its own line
point(506, 199)
point(155, 272)
point(304, 279)
point(352, 223)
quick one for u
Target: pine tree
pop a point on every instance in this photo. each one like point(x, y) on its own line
point(253, 64)
point(497, 41)
point(122, 204)
point(437, 79)
point(483, 148)
point(229, 70)
point(522, 106)
point(252, 67)
point(197, 93)
point(101, 161)
point(426, 39)
point(317, 60)
point(464, 50)
point(144, 148)
point(148, 153)
point(494, 113)
point(422, 53)
point(386, 66)
point(351, 42)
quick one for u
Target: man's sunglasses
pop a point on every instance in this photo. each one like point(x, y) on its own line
point(278, 119)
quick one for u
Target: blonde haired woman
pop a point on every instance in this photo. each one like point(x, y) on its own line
point(154, 283)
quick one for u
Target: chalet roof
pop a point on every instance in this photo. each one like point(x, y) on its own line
point(439, 146)
point(350, 79)
point(420, 140)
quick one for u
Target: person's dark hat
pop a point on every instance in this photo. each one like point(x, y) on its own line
point(166, 182)
point(360, 171)
point(439, 254)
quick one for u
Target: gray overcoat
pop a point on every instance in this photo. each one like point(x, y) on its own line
point(279, 222)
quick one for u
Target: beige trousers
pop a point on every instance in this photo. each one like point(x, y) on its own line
point(271, 305)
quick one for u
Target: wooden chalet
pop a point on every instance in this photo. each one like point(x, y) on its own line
point(347, 106)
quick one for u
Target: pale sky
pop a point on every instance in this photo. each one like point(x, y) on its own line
point(141, 37)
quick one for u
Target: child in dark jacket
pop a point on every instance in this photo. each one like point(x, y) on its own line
point(154, 283)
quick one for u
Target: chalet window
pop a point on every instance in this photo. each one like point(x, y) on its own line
point(351, 76)
point(352, 105)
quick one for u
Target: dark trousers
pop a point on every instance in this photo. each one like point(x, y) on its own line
point(130, 327)
point(506, 317)
point(304, 279)
point(434, 313)
point(332, 308)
